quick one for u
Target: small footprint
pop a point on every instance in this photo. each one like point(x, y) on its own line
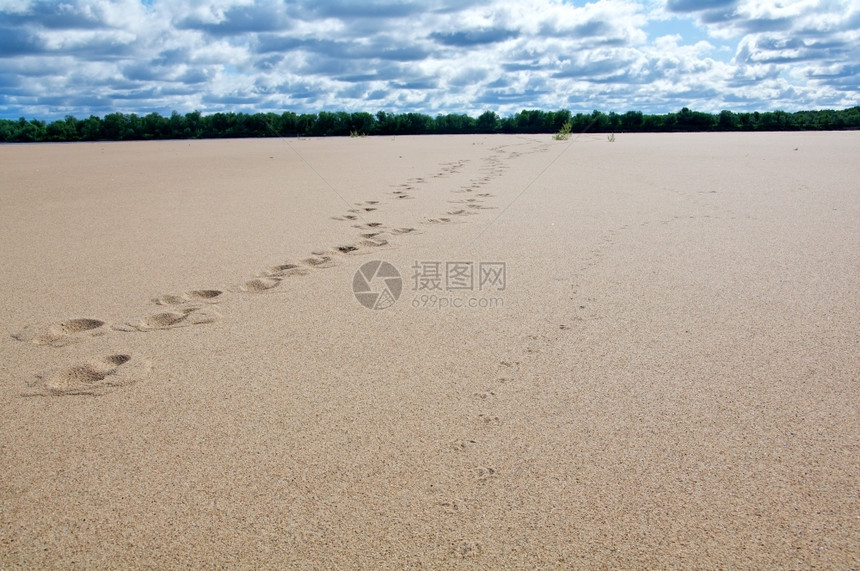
point(197, 295)
point(283, 270)
point(484, 473)
point(466, 549)
point(171, 320)
point(373, 243)
point(462, 444)
point(260, 285)
point(95, 377)
point(489, 420)
point(319, 261)
point(62, 333)
point(368, 226)
point(451, 506)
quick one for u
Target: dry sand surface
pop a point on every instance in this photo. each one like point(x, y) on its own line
point(668, 376)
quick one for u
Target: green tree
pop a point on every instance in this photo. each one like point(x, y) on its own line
point(728, 121)
point(63, 130)
point(488, 122)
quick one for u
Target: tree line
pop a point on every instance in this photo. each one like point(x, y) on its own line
point(195, 125)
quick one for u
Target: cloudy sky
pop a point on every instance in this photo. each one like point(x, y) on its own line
point(85, 57)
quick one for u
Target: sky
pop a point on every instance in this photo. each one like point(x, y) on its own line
point(93, 57)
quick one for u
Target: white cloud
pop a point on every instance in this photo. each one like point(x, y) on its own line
point(97, 56)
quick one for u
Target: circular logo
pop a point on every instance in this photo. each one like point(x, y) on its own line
point(377, 285)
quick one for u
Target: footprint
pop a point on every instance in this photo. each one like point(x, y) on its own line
point(171, 320)
point(483, 473)
point(466, 549)
point(170, 299)
point(403, 230)
point(259, 285)
point(462, 444)
point(283, 270)
point(196, 295)
point(347, 249)
point(373, 243)
point(451, 506)
point(319, 261)
point(489, 420)
point(369, 226)
point(95, 377)
point(62, 333)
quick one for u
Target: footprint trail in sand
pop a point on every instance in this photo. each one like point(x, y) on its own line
point(202, 306)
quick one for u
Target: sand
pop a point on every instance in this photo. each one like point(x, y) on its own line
point(666, 375)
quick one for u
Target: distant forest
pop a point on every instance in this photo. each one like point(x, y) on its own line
point(126, 127)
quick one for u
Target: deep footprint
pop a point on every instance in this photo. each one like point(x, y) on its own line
point(259, 285)
point(62, 333)
point(284, 270)
point(171, 320)
point(319, 261)
point(94, 378)
point(197, 295)
point(373, 243)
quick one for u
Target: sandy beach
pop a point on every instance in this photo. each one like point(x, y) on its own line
point(638, 354)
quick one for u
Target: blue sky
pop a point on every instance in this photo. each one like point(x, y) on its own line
point(83, 57)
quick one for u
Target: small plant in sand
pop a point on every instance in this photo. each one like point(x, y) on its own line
point(611, 138)
point(564, 132)
point(355, 134)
